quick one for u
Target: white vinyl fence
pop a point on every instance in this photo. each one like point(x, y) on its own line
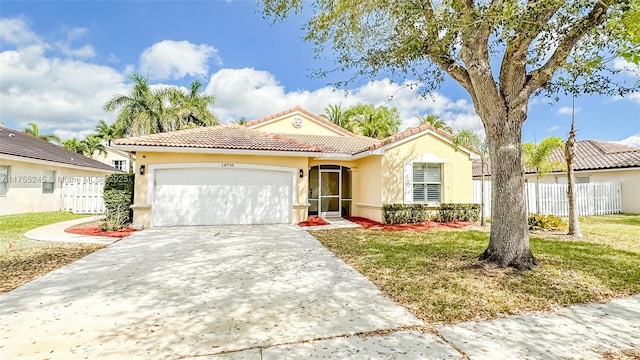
point(596, 198)
point(83, 194)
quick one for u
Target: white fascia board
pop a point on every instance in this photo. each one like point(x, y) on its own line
point(54, 163)
point(338, 157)
point(135, 148)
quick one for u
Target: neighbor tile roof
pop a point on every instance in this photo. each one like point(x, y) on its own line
point(590, 155)
point(336, 144)
point(17, 143)
point(298, 108)
point(221, 137)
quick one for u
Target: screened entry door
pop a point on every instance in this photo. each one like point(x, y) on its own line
point(329, 192)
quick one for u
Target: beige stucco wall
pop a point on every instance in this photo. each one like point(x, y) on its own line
point(110, 156)
point(283, 125)
point(25, 187)
point(456, 173)
point(629, 180)
point(142, 209)
point(367, 191)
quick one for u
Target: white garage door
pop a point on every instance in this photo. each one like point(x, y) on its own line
point(218, 196)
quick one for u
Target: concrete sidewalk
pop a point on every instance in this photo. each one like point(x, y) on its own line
point(56, 232)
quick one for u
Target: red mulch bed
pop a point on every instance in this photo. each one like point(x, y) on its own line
point(429, 225)
point(96, 231)
point(313, 221)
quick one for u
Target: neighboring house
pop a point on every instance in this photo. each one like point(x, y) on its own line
point(284, 167)
point(118, 159)
point(32, 172)
point(595, 161)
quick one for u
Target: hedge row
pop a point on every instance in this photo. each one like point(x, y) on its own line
point(416, 213)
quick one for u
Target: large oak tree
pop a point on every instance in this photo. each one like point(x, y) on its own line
point(501, 52)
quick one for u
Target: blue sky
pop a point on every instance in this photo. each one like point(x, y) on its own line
point(61, 61)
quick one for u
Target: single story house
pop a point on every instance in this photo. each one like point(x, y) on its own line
point(33, 171)
point(287, 166)
point(595, 161)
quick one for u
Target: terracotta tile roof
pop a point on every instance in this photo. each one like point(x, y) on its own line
point(336, 144)
point(298, 108)
point(409, 132)
point(590, 155)
point(221, 137)
point(17, 143)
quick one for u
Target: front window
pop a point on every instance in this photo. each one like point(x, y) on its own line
point(119, 164)
point(427, 183)
point(4, 179)
point(48, 181)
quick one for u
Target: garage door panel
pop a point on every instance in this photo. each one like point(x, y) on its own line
point(221, 196)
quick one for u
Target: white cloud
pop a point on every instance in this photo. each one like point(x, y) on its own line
point(627, 67)
point(633, 140)
point(83, 52)
point(16, 31)
point(58, 93)
point(567, 110)
point(170, 59)
point(553, 128)
point(252, 94)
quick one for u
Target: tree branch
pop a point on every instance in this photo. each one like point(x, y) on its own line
point(542, 75)
point(513, 70)
point(438, 53)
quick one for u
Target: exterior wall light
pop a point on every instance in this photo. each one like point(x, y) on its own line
point(301, 173)
point(142, 167)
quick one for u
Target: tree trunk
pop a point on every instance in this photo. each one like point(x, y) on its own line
point(509, 241)
point(483, 222)
point(537, 194)
point(569, 152)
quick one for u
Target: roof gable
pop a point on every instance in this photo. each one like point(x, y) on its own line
point(18, 144)
point(298, 121)
point(416, 132)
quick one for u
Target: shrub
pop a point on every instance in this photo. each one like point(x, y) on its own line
point(546, 222)
point(123, 182)
point(459, 212)
point(118, 197)
point(406, 213)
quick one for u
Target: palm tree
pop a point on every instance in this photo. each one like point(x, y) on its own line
point(74, 145)
point(107, 132)
point(538, 158)
point(376, 122)
point(190, 109)
point(34, 130)
point(241, 121)
point(93, 146)
point(142, 111)
point(336, 115)
point(435, 122)
point(470, 139)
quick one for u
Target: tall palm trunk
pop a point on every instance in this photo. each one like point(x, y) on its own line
point(483, 222)
point(537, 194)
point(569, 153)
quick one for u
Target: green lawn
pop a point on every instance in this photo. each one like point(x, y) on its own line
point(436, 275)
point(28, 259)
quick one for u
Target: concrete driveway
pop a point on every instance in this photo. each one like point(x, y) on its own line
point(246, 292)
